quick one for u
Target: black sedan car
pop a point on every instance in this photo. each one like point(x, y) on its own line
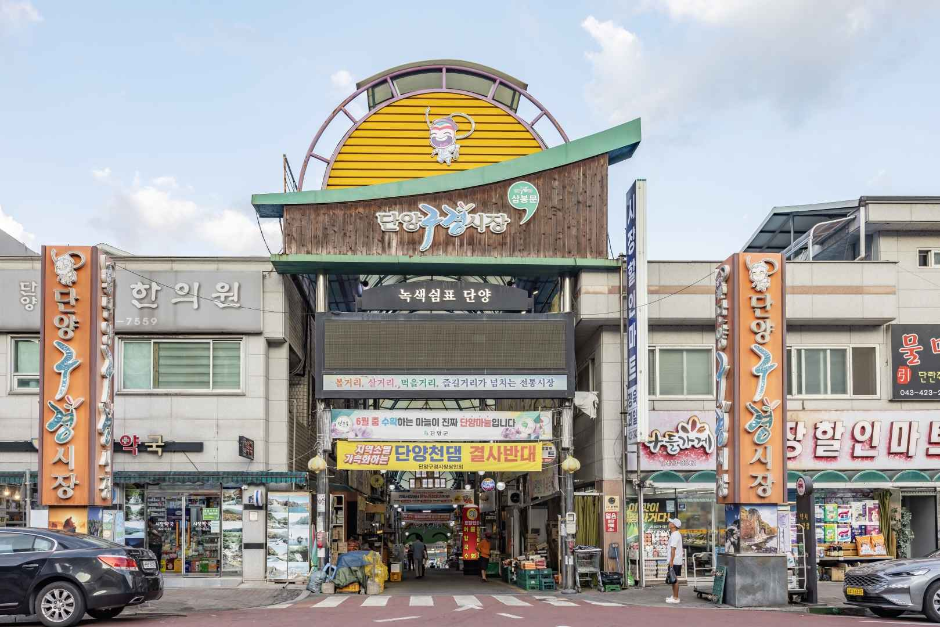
point(62, 576)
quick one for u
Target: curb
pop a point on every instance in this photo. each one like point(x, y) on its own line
point(830, 610)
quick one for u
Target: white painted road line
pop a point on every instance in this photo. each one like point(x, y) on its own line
point(556, 602)
point(602, 603)
point(421, 601)
point(332, 601)
point(507, 599)
point(507, 615)
point(467, 600)
point(375, 601)
point(392, 620)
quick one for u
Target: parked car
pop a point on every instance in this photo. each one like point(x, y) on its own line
point(891, 588)
point(62, 576)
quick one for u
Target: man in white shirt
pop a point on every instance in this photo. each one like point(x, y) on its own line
point(675, 556)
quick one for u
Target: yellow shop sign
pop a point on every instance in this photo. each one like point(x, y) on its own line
point(466, 456)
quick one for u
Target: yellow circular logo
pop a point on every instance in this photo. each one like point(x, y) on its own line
point(472, 513)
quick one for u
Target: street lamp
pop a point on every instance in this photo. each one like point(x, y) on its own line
point(571, 465)
point(316, 464)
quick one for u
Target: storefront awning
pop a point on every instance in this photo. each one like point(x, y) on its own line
point(16, 476)
point(232, 477)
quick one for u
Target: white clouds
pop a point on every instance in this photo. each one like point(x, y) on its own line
point(102, 175)
point(712, 57)
point(9, 224)
point(17, 14)
point(342, 80)
point(237, 233)
point(159, 218)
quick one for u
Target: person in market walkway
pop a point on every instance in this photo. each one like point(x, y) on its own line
point(410, 558)
point(484, 548)
point(420, 555)
point(155, 539)
point(675, 557)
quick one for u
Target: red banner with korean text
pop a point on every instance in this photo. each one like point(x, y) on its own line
point(470, 532)
point(750, 412)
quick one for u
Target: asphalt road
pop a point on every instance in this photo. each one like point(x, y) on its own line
point(486, 610)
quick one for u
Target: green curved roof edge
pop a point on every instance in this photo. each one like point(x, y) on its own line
point(793, 475)
point(911, 475)
point(831, 476)
point(666, 476)
point(619, 143)
point(703, 476)
point(871, 475)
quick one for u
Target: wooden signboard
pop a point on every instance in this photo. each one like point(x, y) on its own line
point(559, 212)
point(718, 585)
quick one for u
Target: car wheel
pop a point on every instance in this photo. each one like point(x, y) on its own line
point(60, 604)
point(882, 612)
point(105, 613)
point(932, 602)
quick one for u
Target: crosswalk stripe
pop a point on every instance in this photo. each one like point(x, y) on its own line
point(375, 601)
point(332, 601)
point(507, 599)
point(602, 603)
point(466, 600)
point(556, 602)
point(423, 601)
point(507, 615)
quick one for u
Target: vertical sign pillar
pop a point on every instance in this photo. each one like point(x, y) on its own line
point(750, 417)
point(637, 355)
point(77, 376)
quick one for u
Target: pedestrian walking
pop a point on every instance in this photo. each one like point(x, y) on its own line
point(484, 548)
point(420, 555)
point(675, 557)
point(410, 558)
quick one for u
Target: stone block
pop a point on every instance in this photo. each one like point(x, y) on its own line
point(755, 580)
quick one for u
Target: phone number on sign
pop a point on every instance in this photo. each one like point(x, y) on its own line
point(918, 392)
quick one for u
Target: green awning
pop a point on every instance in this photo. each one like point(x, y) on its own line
point(11, 477)
point(666, 476)
point(232, 477)
point(830, 476)
point(871, 476)
point(911, 475)
point(703, 476)
point(793, 476)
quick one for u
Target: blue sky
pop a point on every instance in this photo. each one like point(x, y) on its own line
point(149, 125)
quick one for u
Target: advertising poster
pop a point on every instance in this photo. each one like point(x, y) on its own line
point(134, 521)
point(751, 529)
point(915, 362)
point(95, 521)
point(655, 527)
point(69, 519)
point(232, 530)
point(423, 424)
point(288, 534)
point(433, 497)
point(457, 456)
point(470, 535)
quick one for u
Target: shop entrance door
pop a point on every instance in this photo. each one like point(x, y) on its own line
point(203, 541)
point(184, 530)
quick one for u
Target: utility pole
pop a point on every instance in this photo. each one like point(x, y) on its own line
point(324, 511)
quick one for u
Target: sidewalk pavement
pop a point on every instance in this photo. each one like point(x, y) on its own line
point(831, 600)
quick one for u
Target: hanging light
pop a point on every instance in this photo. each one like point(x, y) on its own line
point(316, 464)
point(467, 487)
point(481, 472)
point(6, 490)
point(500, 486)
point(16, 496)
point(571, 464)
point(391, 487)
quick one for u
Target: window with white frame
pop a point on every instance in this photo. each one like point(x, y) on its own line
point(928, 258)
point(181, 365)
point(25, 364)
point(677, 371)
point(833, 371)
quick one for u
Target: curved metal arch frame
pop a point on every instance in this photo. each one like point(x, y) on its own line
point(396, 96)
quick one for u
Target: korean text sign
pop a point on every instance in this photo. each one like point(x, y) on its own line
point(635, 313)
point(470, 532)
point(77, 376)
point(750, 411)
point(428, 424)
point(858, 440)
point(442, 456)
point(915, 362)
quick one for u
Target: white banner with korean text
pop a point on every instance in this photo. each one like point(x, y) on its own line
point(431, 424)
point(860, 440)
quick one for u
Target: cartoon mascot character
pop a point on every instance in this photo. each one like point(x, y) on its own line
point(443, 136)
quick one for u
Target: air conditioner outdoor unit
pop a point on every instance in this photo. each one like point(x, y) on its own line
point(514, 497)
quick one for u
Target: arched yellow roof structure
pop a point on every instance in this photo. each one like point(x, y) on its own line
point(427, 119)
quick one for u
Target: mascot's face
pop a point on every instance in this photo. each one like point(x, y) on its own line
point(443, 132)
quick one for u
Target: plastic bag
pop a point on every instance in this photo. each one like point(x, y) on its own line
point(671, 575)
